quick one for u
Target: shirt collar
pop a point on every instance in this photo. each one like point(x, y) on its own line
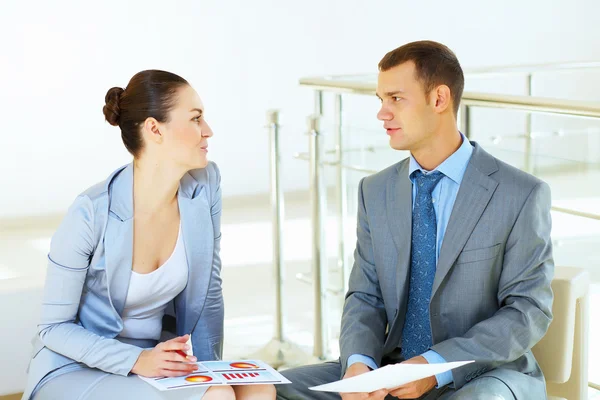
point(453, 167)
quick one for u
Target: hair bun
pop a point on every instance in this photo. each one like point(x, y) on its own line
point(112, 110)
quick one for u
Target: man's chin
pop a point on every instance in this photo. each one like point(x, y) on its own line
point(398, 146)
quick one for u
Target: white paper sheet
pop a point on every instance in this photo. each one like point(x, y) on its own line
point(388, 377)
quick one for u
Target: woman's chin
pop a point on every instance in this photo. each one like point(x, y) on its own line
point(203, 163)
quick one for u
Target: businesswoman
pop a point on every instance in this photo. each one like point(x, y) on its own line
point(134, 267)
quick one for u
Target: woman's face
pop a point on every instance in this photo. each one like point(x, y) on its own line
point(185, 135)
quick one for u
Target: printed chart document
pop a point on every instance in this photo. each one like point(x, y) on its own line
point(214, 373)
point(388, 377)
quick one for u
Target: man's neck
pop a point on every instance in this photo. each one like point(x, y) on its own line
point(441, 146)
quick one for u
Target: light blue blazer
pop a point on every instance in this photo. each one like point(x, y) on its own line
point(89, 267)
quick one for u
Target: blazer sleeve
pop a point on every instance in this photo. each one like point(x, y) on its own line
point(364, 320)
point(524, 295)
point(71, 249)
point(212, 319)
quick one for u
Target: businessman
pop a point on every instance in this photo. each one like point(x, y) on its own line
point(453, 259)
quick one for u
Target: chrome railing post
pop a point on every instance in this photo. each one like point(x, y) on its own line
point(528, 128)
point(318, 106)
point(277, 212)
point(278, 352)
point(341, 193)
point(319, 259)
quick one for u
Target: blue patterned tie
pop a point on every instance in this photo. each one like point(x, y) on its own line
point(416, 334)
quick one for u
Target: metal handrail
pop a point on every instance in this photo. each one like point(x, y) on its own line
point(524, 103)
point(533, 104)
point(526, 69)
point(533, 68)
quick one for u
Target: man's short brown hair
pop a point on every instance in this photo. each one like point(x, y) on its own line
point(435, 64)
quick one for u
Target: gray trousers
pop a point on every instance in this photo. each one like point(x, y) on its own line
point(93, 384)
point(482, 388)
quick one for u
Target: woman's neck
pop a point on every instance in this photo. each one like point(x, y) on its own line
point(155, 186)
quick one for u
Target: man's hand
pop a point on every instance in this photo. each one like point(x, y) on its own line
point(416, 389)
point(358, 369)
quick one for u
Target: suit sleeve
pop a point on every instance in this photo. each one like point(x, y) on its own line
point(524, 295)
point(212, 319)
point(71, 250)
point(364, 320)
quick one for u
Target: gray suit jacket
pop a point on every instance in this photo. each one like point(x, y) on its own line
point(89, 267)
point(491, 299)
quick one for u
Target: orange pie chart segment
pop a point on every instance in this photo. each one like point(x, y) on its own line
point(243, 365)
point(198, 378)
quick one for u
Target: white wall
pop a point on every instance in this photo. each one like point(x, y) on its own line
point(244, 57)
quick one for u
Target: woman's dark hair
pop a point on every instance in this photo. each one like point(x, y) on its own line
point(150, 93)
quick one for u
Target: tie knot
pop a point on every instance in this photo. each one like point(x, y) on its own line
point(426, 182)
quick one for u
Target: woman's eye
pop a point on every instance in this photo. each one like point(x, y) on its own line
point(395, 98)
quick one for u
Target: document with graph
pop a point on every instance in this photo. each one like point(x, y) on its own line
point(214, 373)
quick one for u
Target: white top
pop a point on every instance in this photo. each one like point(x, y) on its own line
point(149, 294)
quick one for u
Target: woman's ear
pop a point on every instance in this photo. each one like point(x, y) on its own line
point(152, 130)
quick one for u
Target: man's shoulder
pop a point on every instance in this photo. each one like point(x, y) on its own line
point(507, 175)
point(382, 177)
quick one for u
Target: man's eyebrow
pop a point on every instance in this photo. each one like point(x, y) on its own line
point(390, 94)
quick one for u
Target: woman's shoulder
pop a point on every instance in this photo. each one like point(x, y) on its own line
point(210, 172)
point(100, 190)
point(85, 219)
point(209, 176)
point(94, 198)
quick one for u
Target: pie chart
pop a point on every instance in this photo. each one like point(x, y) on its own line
point(243, 365)
point(198, 378)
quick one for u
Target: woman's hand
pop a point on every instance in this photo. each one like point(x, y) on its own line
point(166, 359)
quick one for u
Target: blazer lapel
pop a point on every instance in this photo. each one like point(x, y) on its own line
point(196, 224)
point(118, 239)
point(399, 215)
point(476, 190)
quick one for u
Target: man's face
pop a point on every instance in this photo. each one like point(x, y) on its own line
point(407, 114)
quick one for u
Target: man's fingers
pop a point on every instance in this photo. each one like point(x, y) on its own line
point(405, 393)
point(354, 396)
point(400, 391)
point(379, 394)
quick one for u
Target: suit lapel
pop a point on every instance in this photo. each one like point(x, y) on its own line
point(118, 239)
point(399, 215)
point(196, 224)
point(118, 245)
point(476, 190)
